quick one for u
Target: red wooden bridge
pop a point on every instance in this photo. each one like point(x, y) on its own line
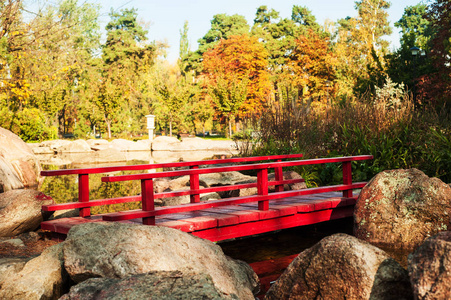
point(218, 219)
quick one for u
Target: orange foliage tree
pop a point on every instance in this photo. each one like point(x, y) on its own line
point(313, 65)
point(240, 58)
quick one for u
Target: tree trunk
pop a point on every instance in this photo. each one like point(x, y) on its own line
point(230, 127)
point(203, 128)
point(108, 125)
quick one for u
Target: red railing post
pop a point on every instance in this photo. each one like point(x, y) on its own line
point(279, 176)
point(262, 188)
point(347, 178)
point(194, 185)
point(148, 198)
point(83, 194)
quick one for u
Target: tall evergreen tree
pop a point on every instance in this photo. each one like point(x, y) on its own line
point(126, 56)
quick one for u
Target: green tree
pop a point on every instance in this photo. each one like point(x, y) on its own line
point(43, 60)
point(184, 48)
point(173, 93)
point(126, 56)
point(415, 31)
point(229, 95)
point(361, 47)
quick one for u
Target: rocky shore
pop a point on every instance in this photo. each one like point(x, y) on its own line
point(100, 151)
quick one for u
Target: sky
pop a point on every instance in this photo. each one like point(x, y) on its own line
point(166, 17)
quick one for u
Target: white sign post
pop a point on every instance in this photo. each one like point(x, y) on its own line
point(150, 125)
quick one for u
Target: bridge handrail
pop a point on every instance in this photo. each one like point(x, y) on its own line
point(167, 165)
point(83, 176)
point(148, 211)
point(261, 166)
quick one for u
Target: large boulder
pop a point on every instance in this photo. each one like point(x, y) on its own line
point(20, 211)
point(153, 285)
point(401, 208)
point(115, 250)
point(10, 266)
point(126, 145)
point(165, 143)
point(41, 278)
point(430, 268)
point(77, 146)
point(19, 167)
point(196, 143)
point(55, 145)
point(342, 267)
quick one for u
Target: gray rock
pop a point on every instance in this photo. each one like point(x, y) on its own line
point(116, 250)
point(401, 208)
point(10, 267)
point(55, 145)
point(271, 177)
point(77, 146)
point(42, 150)
point(430, 268)
point(40, 278)
point(20, 211)
point(14, 242)
point(154, 285)
point(94, 142)
point(342, 267)
point(19, 167)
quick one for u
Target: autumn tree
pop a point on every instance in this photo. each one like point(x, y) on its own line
point(435, 86)
point(238, 65)
point(279, 35)
point(313, 66)
point(223, 26)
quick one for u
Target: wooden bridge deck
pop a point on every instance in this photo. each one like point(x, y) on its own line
point(226, 222)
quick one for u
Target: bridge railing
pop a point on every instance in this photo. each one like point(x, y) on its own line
point(149, 212)
point(84, 203)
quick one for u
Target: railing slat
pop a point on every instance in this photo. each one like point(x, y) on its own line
point(83, 194)
point(167, 165)
point(235, 168)
point(347, 177)
point(148, 200)
point(262, 188)
point(194, 185)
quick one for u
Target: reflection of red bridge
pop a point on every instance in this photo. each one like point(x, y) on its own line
point(218, 219)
